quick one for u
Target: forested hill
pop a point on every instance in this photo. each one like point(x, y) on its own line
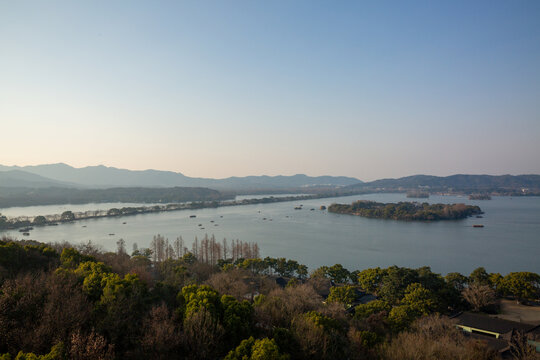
point(455, 182)
point(49, 196)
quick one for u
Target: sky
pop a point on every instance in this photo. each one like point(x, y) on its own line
point(370, 89)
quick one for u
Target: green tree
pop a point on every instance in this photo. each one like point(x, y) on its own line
point(195, 297)
point(39, 220)
point(261, 349)
point(302, 271)
point(371, 279)
point(479, 276)
point(400, 317)
point(338, 273)
point(497, 281)
point(57, 353)
point(67, 216)
point(237, 318)
point(256, 266)
point(522, 285)
point(456, 280)
point(420, 300)
point(363, 311)
point(266, 349)
point(71, 258)
point(342, 294)
point(395, 282)
point(320, 272)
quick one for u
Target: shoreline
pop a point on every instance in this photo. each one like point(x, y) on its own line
point(70, 216)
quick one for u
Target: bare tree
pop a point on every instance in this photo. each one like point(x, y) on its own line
point(161, 339)
point(90, 347)
point(520, 348)
point(479, 296)
point(121, 247)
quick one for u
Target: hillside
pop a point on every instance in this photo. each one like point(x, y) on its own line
point(454, 182)
point(55, 195)
point(18, 178)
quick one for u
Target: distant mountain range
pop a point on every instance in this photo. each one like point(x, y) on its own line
point(455, 182)
point(62, 175)
point(65, 176)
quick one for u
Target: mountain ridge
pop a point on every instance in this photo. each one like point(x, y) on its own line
point(103, 176)
point(457, 181)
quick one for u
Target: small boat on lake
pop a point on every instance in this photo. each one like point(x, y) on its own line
point(478, 226)
point(192, 216)
point(26, 233)
point(111, 234)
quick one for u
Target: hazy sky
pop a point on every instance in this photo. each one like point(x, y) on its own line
point(220, 88)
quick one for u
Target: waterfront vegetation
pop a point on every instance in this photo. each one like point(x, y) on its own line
point(219, 299)
point(56, 195)
point(406, 210)
point(416, 194)
point(479, 197)
point(68, 216)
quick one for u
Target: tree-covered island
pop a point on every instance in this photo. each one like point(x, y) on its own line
point(410, 211)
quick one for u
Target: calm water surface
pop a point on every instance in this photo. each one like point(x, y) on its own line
point(510, 240)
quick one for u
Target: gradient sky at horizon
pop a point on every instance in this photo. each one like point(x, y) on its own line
point(233, 88)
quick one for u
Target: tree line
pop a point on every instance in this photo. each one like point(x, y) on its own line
point(67, 216)
point(56, 195)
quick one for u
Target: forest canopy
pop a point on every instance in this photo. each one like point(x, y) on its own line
point(219, 299)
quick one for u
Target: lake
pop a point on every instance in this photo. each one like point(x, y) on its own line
point(510, 240)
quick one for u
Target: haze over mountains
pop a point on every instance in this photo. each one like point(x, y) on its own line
point(61, 183)
point(62, 175)
point(459, 181)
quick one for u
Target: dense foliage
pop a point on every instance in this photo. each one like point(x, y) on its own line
point(406, 210)
point(64, 302)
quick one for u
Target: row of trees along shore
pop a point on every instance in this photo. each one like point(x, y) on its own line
point(406, 210)
point(68, 216)
point(59, 301)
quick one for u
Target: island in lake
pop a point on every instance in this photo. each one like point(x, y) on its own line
point(406, 210)
point(479, 197)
